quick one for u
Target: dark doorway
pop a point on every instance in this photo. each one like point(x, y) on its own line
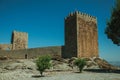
point(26, 56)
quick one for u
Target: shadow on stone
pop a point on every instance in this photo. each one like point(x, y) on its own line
point(37, 76)
point(103, 71)
point(77, 72)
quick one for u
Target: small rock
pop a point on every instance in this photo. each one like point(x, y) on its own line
point(3, 58)
point(9, 68)
point(29, 68)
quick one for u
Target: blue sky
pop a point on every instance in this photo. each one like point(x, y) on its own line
point(44, 21)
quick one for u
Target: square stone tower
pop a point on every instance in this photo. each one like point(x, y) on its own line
point(81, 36)
point(19, 40)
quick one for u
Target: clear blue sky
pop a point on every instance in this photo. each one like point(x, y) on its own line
point(44, 21)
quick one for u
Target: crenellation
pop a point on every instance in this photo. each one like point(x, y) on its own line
point(84, 16)
point(71, 14)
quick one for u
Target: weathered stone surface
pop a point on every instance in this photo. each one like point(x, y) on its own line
point(19, 40)
point(103, 64)
point(81, 38)
point(32, 53)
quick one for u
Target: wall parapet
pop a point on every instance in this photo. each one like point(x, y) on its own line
point(5, 46)
point(32, 52)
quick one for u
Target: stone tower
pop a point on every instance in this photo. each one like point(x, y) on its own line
point(19, 40)
point(81, 37)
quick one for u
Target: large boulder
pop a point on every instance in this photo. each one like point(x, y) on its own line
point(103, 64)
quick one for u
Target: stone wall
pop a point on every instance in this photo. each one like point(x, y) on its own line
point(70, 37)
point(54, 51)
point(5, 46)
point(87, 38)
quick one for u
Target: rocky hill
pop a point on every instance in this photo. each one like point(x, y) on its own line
point(62, 69)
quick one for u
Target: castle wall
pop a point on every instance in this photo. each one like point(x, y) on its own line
point(81, 40)
point(5, 46)
point(87, 38)
point(54, 51)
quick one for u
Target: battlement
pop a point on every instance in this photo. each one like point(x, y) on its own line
point(20, 33)
point(84, 16)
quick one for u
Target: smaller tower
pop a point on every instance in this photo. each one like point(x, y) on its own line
point(19, 40)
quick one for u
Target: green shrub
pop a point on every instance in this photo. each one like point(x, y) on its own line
point(43, 62)
point(80, 63)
